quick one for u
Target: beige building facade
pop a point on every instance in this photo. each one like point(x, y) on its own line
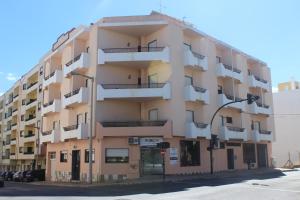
point(156, 79)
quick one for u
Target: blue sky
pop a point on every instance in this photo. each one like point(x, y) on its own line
point(268, 30)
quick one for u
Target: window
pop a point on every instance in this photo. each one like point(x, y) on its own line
point(52, 155)
point(24, 86)
point(153, 114)
point(39, 105)
point(86, 155)
point(229, 120)
point(63, 156)
point(85, 117)
point(189, 153)
point(41, 71)
point(249, 153)
point(20, 149)
point(187, 46)
point(189, 116)
point(38, 123)
point(116, 156)
point(188, 80)
point(152, 45)
point(22, 117)
point(218, 59)
point(40, 87)
point(23, 102)
point(21, 133)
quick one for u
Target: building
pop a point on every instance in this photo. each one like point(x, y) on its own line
point(290, 85)
point(20, 122)
point(156, 79)
point(287, 115)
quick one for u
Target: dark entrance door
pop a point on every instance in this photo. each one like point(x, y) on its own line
point(151, 161)
point(76, 165)
point(262, 155)
point(230, 159)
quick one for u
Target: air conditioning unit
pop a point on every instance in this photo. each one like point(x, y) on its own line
point(133, 140)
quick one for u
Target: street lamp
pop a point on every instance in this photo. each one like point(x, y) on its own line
point(90, 174)
point(250, 99)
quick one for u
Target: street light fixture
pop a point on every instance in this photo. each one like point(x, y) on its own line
point(250, 99)
point(90, 174)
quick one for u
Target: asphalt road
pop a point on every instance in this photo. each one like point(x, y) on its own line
point(271, 186)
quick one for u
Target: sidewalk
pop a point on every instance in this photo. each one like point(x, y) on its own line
point(173, 178)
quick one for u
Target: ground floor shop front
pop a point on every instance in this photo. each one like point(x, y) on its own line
point(120, 158)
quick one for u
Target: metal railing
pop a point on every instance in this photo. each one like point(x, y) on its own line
point(74, 92)
point(48, 104)
point(29, 135)
point(12, 154)
point(15, 96)
point(14, 124)
point(199, 89)
point(49, 76)
point(133, 86)
point(230, 97)
point(76, 58)
point(265, 132)
point(198, 55)
point(28, 152)
point(133, 49)
point(229, 67)
point(14, 110)
point(44, 133)
point(30, 117)
point(262, 105)
point(30, 101)
point(70, 128)
point(31, 84)
point(200, 125)
point(13, 139)
point(235, 129)
point(134, 123)
point(260, 79)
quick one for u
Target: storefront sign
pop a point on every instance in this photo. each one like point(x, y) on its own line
point(173, 156)
point(150, 141)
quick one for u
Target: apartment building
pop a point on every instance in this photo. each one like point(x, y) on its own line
point(156, 79)
point(286, 150)
point(21, 119)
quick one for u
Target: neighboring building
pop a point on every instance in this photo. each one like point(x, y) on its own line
point(286, 86)
point(20, 121)
point(156, 79)
point(286, 117)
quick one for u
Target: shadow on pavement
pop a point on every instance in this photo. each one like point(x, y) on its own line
point(24, 189)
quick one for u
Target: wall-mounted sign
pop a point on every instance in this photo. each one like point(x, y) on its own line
point(61, 39)
point(150, 141)
point(173, 156)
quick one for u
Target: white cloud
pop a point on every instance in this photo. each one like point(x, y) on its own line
point(1, 93)
point(274, 89)
point(11, 77)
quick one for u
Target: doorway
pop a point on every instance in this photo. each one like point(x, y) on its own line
point(76, 165)
point(151, 161)
point(262, 155)
point(52, 157)
point(230, 159)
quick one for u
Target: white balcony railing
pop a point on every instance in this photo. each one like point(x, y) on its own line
point(193, 93)
point(228, 71)
point(79, 131)
point(114, 91)
point(78, 96)
point(52, 136)
point(233, 133)
point(53, 78)
point(80, 62)
point(51, 107)
point(195, 130)
point(257, 82)
point(259, 136)
point(257, 108)
point(223, 99)
point(195, 60)
point(143, 54)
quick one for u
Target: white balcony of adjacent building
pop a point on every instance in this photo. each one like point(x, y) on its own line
point(233, 133)
point(134, 91)
point(79, 131)
point(53, 106)
point(224, 70)
point(261, 136)
point(134, 55)
point(193, 93)
point(195, 60)
point(197, 130)
point(55, 77)
point(135, 128)
point(52, 136)
point(31, 103)
point(79, 63)
point(76, 97)
point(225, 98)
point(31, 86)
point(257, 82)
point(258, 108)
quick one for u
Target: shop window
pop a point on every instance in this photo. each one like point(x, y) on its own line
point(116, 155)
point(189, 153)
point(86, 155)
point(63, 156)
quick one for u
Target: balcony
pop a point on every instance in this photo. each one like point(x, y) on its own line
point(32, 86)
point(79, 63)
point(15, 97)
point(258, 108)
point(55, 77)
point(256, 82)
point(260, 135)
point(193, 93)
point(197, 130)
point(14, 126)
point(134, 55)
point(76, 97)
point(30, 103)
point(225, 98)
point(31, 119)
point(229, 71)
point(195, 60)
point(28, 153)
point(51, 107)
point(233, 133)
point(79, 131)
point(127, 91)
point(134, 128)
point(52, 136)
point(13, 141)
point(14, 111)
point(12, 156)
